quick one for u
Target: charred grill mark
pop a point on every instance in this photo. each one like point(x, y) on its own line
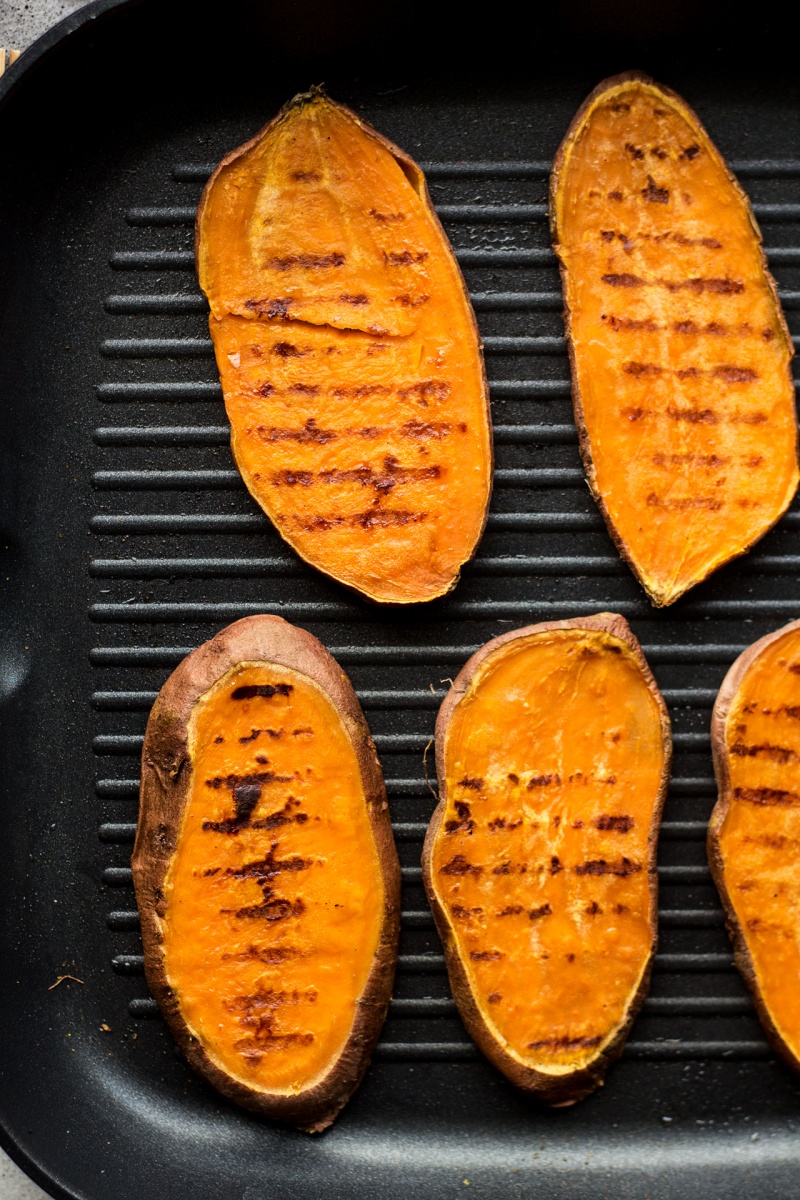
point(371, 519)
point(267, 690)
point(287, 350)
point(250, 737)
point(618, 824)
point(358, 299)
point(404, 258)
point(654, 194)
point(291, 478)
point(384, 217)
point(467, 782)
point(310, 432)
point(277, 308)
point(695, 416)
point(428, 429)
point(565, 1043)
point(246, 790)
point(306, 176)
point(690, 152)
point(599, 866)
point(766, 797)
point(544, 910)
point(748, 418)
point(635, 414)
point(265, 390)
point(555, 865)
point(504, 868)
point(778, 754)
point(284, 816)
point(464, 914)
point(543, 781)
point(636, 152)
point(393, 474)
point(459, 865)
point(486, 955)
point(615, 195)
point(263, 871)
point(463, 822)
point(686, 503)
point(710, 461)
point(305, 389)
point(700, 286)
point(624, 281)
point(734, 374)
point(408, 301)
point(362, 390)
point(593, 909)
point(511, 910)
point(309, 262)
point(638, 369)
point(501, 823)
point(425, 390)
point(266, 954)
point(494, 998)
point(256, 1014)
point(277, 909)
point(620, 324)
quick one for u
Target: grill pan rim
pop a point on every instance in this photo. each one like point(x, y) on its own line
point(34, 57)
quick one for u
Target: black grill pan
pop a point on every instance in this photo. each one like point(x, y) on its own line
point(127, 539)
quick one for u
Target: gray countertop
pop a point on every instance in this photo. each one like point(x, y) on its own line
point(22, 22)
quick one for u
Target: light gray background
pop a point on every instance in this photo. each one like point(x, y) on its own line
point(22, 22)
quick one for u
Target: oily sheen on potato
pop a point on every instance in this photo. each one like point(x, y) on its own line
point(754, 834)
point(348, 352)
point(680, 353)
point(553, 751)
point(265, 871)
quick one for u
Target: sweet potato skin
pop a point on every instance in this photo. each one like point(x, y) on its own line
point(165, 789)
point(410, 560)
point(566, 1089)
point(661, 591)
point(741, 951)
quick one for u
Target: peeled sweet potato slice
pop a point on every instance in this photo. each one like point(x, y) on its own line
point(754, 833)
point(553, 750)
point(680, 353)
point(348, 353)
point(265, 871)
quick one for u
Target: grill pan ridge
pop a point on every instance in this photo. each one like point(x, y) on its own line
point(129, 538)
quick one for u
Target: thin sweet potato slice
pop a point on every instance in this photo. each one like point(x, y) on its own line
point(348, 352)
point(754, 833)
point(680, 354)
point(265, 871)
point(553, 751)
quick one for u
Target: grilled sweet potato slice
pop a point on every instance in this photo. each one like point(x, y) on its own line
point(348, 352)
point(266, 873)
point(680, 353)
point(553, 750)
point(754, 834)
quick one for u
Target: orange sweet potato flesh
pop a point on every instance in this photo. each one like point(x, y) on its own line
point(266, 873)
point(553, 751)
point(754, 834)
point(348, 353)
point(680, 353)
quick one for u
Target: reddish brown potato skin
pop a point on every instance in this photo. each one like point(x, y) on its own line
point(165, 791)
point(568, 1089)
point(741, 952)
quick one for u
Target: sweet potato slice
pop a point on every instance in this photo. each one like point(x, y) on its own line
point(348, 352)
point(265, 871)
point(553, 750)
point(754, 833)
point(680, 353)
